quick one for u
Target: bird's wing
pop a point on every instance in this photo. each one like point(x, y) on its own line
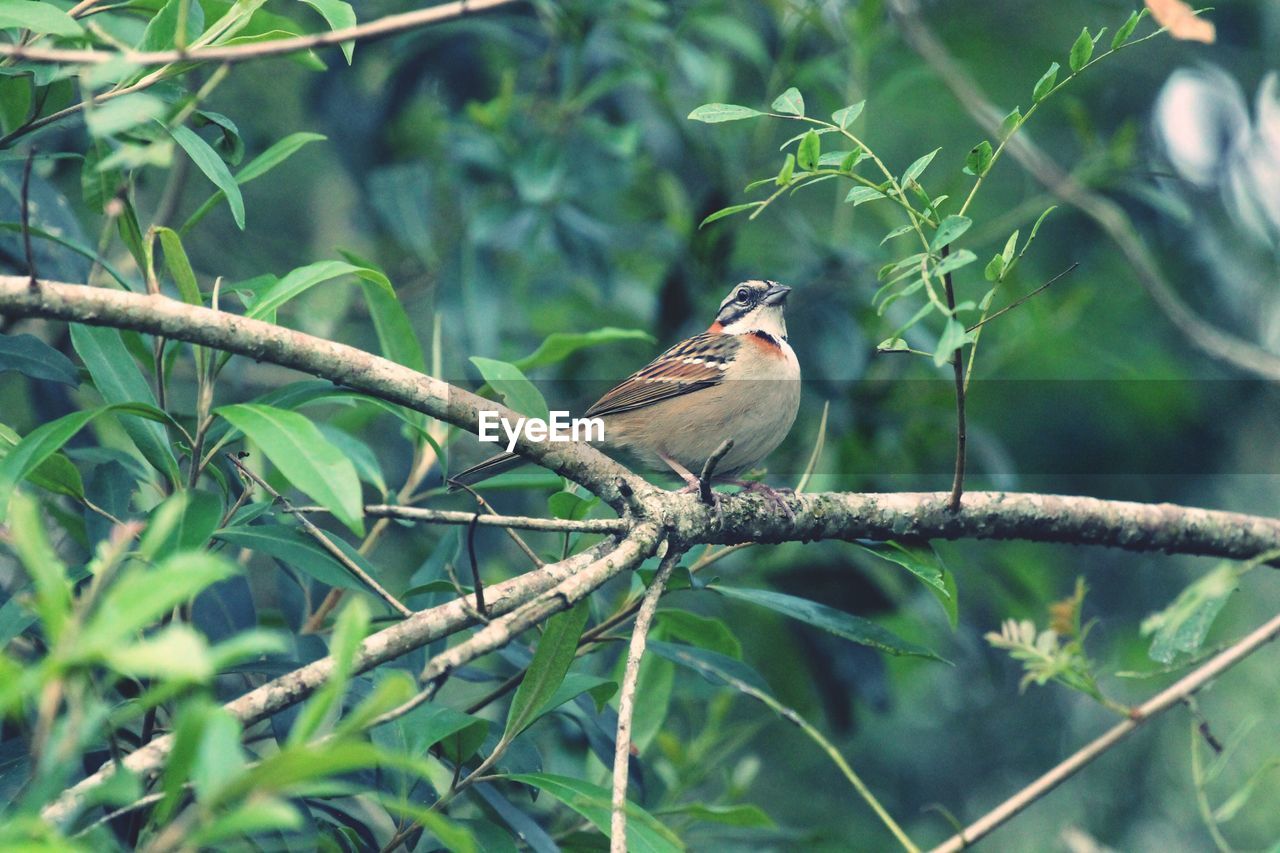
point(691, 365)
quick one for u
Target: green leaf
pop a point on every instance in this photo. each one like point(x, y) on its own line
point(429, 724)
point(175, 653)
point(716, 113)
point(859, 195)
point(573, 686)
point(547, 670)
point(953, 337)
point(745, 815)
point(304, 456)
point(789, 102)
point(162, 30)
point(33, 358)
point(809, 151)
point(98, 186)
point(979, 159)
point(954, 261)
point(1126, 29)
point(846, 625)
point(348, 632)
point(179, 266)
point(1010, 122)
point(275, 155)
point(396, 335)
point(949, 230)
point(1045, 84)
point(1183, 625)
point(1232, 805)
point(45, 440)
point(302, 279)
point(701, 631)
point(56, 473)
point(118, 379)
point(1081, 51)
point(925, 563)
point(339, 16)
point(123, 113)
point(208, 162)
point(645, 833)
point(182, 522)
point(558, 346)
point(916, 169)
point(844, 118)
point(28, 538)
point(569, 506)
point(293, 548)
point(730, 210)
point(513, 386)
point(140, 597)
point(40, 18)
point(787, 171)
point(994, 268)
point(255, 817)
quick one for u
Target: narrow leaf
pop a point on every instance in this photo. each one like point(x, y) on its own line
point(716, 113)
point(304, 456)
point(208, 162)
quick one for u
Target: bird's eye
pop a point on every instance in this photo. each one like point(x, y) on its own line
point(744, 296)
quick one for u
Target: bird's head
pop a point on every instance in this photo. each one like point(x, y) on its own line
point(754, 306)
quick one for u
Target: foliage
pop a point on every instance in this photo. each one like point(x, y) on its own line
point(518, 202)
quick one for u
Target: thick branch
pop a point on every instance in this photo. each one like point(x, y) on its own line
point(341, 364)
point(257, 50)
point(1167, 528)
point(1158, 704)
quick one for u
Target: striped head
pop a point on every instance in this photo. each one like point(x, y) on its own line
point(753, 306)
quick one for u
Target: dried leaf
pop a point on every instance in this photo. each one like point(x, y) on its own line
point(1181, 21)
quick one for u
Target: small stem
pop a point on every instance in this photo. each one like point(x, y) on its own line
point(957, 366)
point(317, 534)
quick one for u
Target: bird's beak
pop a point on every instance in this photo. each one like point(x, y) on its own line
point(776, 295)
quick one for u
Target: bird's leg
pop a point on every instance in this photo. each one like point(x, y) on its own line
point(694, 485)
point(775, 496)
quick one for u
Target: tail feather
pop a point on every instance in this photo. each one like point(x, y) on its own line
point(491, 467)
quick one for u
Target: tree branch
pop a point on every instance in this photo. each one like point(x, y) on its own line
point(341, 364)
point(627, 698)
point(239, 53)
point(414, 632)
point(1158, 704)
point(519, 522)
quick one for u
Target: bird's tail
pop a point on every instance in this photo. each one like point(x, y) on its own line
point(491, 467)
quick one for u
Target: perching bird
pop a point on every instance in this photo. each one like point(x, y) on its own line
point(738, 380)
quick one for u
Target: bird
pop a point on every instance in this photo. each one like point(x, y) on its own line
point(738, 380)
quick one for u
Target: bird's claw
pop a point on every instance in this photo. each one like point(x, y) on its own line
point(774, 496)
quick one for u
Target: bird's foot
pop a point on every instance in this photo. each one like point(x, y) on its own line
point(708, 496)
point(777, 497)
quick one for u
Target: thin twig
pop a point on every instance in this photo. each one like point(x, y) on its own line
point(515, 537)
point(257, 50)
point(1006, 309)
point(957, 368)
point(630, 677)
point(1158, 704)
point(26, 220)
point(325, 542)
point(519, 522)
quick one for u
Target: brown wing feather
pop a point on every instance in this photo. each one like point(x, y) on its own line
point(689, 366)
